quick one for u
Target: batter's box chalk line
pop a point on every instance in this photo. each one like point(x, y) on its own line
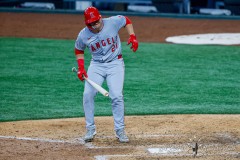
point(107, 157)
point(36, 139)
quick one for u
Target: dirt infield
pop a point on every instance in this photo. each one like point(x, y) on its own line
point(148, 29)
point(151, 137)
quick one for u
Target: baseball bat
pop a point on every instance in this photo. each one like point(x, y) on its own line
point(95, 85)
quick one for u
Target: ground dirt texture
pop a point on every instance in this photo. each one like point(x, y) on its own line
point(151, 137)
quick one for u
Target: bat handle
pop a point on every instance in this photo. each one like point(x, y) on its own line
point(74, 70)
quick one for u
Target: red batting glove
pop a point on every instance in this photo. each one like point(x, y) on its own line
point(133, 39)
point(81, 71)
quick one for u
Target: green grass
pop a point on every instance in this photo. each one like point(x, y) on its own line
point(37, 83)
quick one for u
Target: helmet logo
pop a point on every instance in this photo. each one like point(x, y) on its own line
point(92, 15)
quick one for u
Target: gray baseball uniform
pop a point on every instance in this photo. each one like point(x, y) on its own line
point(106, 64)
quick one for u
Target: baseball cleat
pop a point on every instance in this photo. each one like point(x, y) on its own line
point(89, 135)
point(121, 135)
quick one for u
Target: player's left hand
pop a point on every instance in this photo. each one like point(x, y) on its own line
point(133, 39)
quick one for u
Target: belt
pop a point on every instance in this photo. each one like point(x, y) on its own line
point(118, 57)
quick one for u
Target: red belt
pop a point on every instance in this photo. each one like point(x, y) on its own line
point(119, 56)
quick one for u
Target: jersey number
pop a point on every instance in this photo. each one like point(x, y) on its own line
point(114, 47)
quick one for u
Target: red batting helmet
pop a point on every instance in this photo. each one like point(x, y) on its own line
point(91, 14)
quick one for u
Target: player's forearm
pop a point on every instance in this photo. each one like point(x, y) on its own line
point(129, 28)
point(80, 60)
point(79, 56)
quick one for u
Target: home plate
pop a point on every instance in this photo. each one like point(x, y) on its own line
point(164, 150)
point(210, 38)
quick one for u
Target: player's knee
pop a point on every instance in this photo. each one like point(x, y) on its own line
point(117, 98)
point(88, 95)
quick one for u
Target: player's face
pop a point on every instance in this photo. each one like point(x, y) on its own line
point(94, 23)
point(97, 25)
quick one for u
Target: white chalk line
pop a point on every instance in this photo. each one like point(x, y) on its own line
point(37, 139)
point(106, 157)
point(89, 145)
point(173, 150)
point(75, 141)
point(81, 141)
point(102, 137)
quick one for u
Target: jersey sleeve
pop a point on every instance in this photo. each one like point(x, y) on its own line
point(79, 44)
point(119, 21)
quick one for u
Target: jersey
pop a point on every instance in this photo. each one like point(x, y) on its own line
point(104, 46)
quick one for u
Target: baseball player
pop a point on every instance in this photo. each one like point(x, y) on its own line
point(101, 37)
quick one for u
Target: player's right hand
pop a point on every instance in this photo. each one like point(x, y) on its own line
point(82, 73)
